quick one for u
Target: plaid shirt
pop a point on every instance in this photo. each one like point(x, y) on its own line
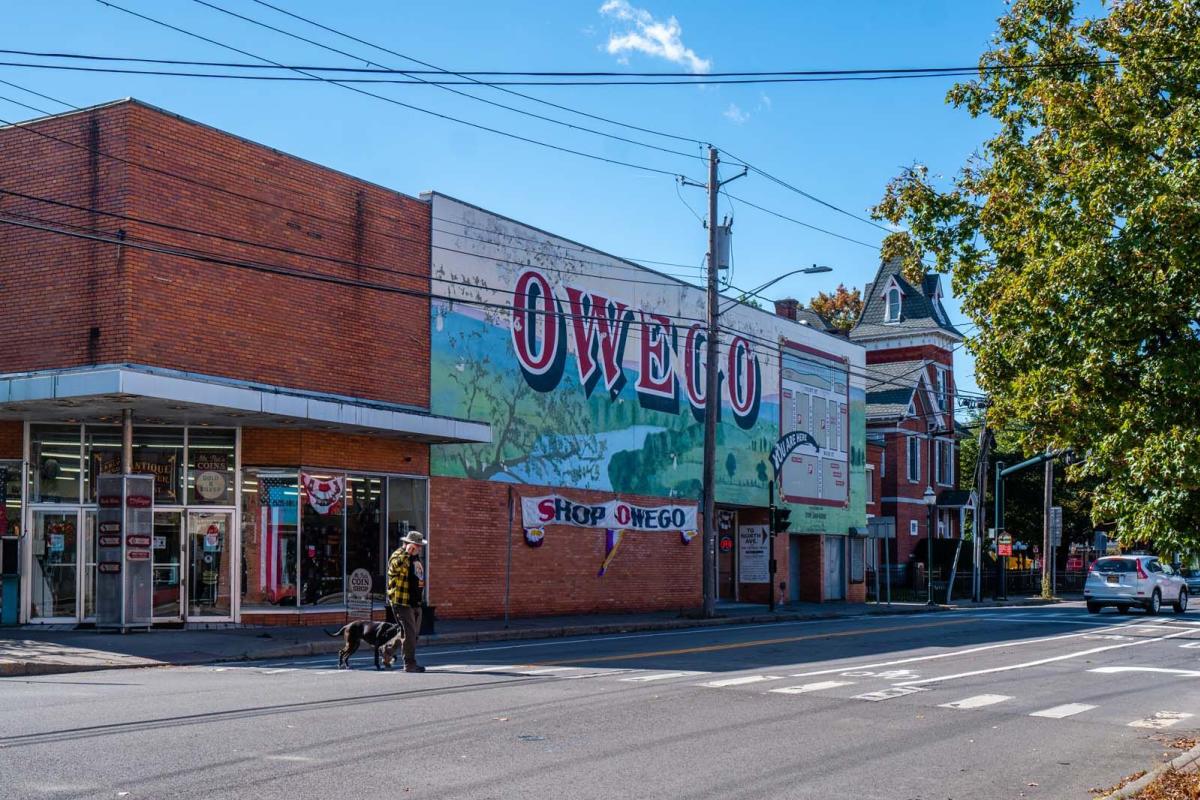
point(404, 577)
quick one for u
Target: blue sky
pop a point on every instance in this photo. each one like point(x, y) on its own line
point(838, 141)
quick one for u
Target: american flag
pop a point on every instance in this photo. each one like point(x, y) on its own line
point(277, 497)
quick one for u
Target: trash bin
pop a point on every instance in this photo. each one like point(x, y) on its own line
point(427, 620)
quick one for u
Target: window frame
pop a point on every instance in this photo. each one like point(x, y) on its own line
point(914, 448)
point(891, 313)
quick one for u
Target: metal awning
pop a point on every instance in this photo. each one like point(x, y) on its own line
point(99, 395)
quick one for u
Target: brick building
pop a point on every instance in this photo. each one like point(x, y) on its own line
point(309, 368)
point(910, 345)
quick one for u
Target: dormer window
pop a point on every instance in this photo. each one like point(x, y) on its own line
point(892, 312)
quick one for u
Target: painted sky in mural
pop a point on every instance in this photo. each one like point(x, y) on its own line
point(590, 371)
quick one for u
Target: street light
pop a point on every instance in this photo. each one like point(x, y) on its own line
point(813, 270)
point(930, 500)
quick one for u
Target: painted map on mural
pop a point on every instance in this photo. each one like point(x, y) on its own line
point(815, 399)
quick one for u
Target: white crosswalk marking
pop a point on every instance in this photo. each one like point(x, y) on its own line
point(659, 676)
point(277, 671)
point(1066, 710)
point(1161, 719)
point(446, 667)
point(819, 686)
point(740, 681)
point(978, 701)
point(491, 668)
point(544, 670)
point(888, 694)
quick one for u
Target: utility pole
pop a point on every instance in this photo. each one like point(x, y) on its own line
point(1048, 499)
point(981, 469)
point(712, 400)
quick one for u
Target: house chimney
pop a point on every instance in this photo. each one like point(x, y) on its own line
point(787, 308)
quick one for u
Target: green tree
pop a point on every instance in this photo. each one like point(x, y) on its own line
point(731, 465)
point(1072, 235)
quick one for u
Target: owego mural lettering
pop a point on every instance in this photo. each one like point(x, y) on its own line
point(591, 372)
point(596, 328)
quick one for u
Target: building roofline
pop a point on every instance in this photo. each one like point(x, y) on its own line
point(188, 120)
point(431, 193)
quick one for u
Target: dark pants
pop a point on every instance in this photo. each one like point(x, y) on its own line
point(409, 620)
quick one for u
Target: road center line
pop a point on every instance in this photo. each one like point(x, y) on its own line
point(1040, 661)
point(712, 648)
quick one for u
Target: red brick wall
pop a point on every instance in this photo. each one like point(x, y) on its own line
point(67, 298)
point(276, 447)
point(11, 435)
point(925, 352)
point(468, 546)
point(181, 313)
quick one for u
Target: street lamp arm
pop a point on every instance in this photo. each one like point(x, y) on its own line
point(813, 270)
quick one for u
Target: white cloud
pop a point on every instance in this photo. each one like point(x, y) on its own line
point(764, 101)
point(736, 115)
point(645, 34)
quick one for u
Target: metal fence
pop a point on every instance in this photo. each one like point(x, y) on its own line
point(912, 586)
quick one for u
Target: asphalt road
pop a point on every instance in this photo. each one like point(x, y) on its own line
point(1006, 703)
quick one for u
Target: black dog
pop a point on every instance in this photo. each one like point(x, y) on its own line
point(375, 634)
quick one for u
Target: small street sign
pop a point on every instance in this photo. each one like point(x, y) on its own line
point(1004, 545)
point(1056, 525)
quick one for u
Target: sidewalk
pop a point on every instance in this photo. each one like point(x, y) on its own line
point(33, 650)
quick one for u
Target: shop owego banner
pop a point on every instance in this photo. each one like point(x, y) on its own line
point(539, 512)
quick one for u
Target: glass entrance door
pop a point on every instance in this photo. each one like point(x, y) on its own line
point(168, 577)
point(209, 582)
point(54, 579)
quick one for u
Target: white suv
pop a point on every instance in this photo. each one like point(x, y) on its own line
point(1126, 581)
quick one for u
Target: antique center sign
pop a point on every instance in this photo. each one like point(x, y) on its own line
point(615, 514)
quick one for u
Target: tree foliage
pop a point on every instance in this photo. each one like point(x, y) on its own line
point(841, 307)
point(1074, 239)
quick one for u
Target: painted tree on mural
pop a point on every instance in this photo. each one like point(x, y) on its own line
point(1072, 239)
point(546, 434)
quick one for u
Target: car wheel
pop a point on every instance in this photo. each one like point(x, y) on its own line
point(1093, 608)
point(1155, 603)
point(1181, 603)
point(1123, 609)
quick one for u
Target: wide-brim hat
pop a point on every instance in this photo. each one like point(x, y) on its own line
point(414, 537)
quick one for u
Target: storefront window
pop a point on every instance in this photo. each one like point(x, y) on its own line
point(270, 556)
point(54, 463)
point(323, 531)
point(156, 451)
point(406, 512)
point(10, 498)
point(211, 461)
point(364, 529)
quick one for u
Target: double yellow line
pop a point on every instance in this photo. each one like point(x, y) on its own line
point(713, 648)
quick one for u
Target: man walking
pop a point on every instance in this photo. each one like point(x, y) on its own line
point(405, 585)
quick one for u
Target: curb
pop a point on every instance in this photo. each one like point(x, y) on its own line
point(1179, 763)
point(34, 668)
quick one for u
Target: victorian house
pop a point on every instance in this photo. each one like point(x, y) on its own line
point(912, 452)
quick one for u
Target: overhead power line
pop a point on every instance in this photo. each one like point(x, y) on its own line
point(681, 78)
point(399, 103)
point(452, 90)
point(207, 256)
point(436, 70)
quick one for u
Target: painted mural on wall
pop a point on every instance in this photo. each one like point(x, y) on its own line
point(590, 371)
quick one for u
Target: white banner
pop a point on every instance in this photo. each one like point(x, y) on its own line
point(615, 514)
point(754, 554)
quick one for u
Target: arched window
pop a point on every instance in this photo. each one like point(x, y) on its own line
point(893, 305)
